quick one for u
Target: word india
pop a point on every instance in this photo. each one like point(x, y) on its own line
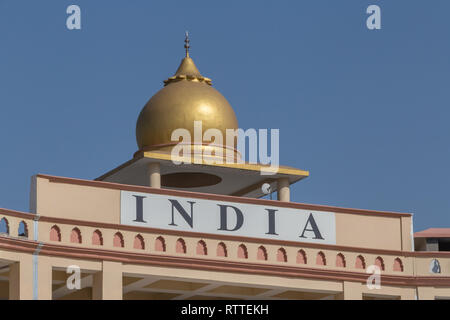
point(226, 218)
point(257, 147)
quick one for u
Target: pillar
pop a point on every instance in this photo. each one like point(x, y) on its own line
point(425, 293)
point(283, 190)
point(107, 284)
point(44, 278)
point(406, 229)
point(154, 175)
point(409, 294)
point(351, 291)
point(21, 279)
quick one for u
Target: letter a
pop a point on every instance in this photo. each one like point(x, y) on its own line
point(374, 20)
point(74, 20)
point(374, 280)
point(73, 281)
point(311, 222)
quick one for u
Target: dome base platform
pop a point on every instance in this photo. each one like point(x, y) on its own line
point(236, 179)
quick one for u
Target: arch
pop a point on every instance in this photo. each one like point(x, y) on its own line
point(22, 231)
point(139, 242)
point(320, 259)
point(75, 236)
point(97, 238)
point(160, 244)
point(379, 262)
point(360, 262)
point(222, 250)
point(118, 240)
point(281, 255)
point(340, 260)
point(262, 253)
point(201, 248)
point(301, 257)
point(180, 246)
point(4, 226)
point(398, 265)
point(242, 252)
point(55, 233)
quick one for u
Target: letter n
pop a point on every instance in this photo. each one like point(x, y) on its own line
point(188, 218)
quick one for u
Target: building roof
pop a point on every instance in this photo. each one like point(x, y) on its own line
point(433, 233)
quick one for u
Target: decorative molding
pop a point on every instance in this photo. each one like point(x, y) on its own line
point(28, 246)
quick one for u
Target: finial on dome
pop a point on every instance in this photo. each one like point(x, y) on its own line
point(187, 69)
point(186, 43)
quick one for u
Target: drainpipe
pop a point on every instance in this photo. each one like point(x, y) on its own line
point(35, 257)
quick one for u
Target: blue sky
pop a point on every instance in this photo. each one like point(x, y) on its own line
point(366, 112)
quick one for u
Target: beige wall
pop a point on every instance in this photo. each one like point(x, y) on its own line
point(368, 231)
point(422, 264)
point(77, 202)
point(98, 204)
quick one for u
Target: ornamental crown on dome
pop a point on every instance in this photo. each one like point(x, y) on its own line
point(187, 69)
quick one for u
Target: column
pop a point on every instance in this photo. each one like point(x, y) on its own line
point(154, 175)
point(425, 293)
point(44, 278)
point(406, 229)
point(408, 294)
point(21, 279)
point(351, 291)
point(107, 284)
point(283, 190)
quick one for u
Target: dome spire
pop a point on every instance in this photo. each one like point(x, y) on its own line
point(186, 43)
point(187, 69)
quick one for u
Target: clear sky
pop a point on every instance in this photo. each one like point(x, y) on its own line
point(365, 111)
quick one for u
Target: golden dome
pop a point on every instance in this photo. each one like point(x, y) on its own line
point(185, 98)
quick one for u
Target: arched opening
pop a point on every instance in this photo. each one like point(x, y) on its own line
point(97, 238)
point(75, 236)
point(4, 226)
point(261, 254)
point(379, 262)
point(320, 259)
point(23, 229)
point(118, 240)
point(281, 255)
point(180, 246)
point(160, 244)
point(222, 250)
point(201, 248)
point(55, 233)
point(139, 242)
point(242, 252)
point(340, 260)
point(360, 263)
point(398, 265)
point(301, 257)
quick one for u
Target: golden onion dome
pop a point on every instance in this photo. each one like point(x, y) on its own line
point(186, 97)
